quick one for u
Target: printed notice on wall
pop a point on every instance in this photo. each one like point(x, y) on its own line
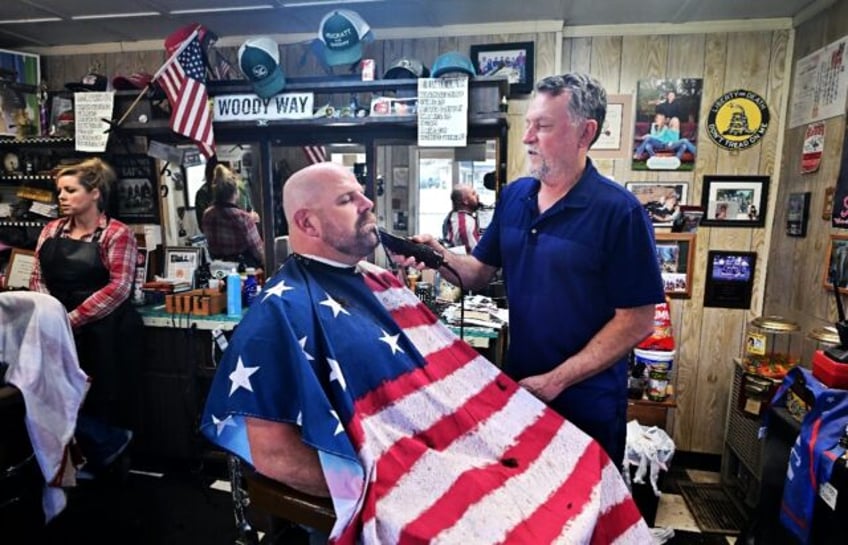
point(821, 84)
point(443, 112)
point(90, 109)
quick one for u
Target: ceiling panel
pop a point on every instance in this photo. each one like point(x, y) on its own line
point(389, 14)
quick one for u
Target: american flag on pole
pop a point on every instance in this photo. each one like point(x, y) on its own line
point(183, 78)
point(420, 439)
point(315, 154)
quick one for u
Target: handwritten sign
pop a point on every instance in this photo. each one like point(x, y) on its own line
point(90, 109)
point(821, 84)
point(443, 112)
point(255, 108)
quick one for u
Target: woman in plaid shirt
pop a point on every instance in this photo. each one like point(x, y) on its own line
point(230, 231)
point(86, 260)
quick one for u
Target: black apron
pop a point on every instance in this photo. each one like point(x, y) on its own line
point(108, 348)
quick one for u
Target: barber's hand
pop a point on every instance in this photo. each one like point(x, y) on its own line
point(254, 216)
point(542, 386)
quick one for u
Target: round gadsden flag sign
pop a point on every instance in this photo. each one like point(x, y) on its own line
point(738, 120)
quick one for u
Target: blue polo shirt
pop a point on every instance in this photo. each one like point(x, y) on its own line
point(565, 273)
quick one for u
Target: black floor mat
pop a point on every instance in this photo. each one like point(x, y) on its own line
point(713, 508)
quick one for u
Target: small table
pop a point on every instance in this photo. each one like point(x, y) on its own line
point(650, 413)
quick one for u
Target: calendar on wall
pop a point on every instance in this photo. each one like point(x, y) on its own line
point(821, 84)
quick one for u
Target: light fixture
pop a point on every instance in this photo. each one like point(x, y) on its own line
point(34, 20)
point(216, 9)
point(303, 3)
point(115, 15)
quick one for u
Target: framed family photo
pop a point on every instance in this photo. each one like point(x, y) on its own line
point(514, 60)
point(836, 264)
point(734, 201)
point(675, 254)
point(662, 200)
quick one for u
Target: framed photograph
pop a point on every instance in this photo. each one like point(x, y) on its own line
point(136, 194)
point(19, 269)
point(19, 101)
point(662, 200)
point(836, 264)
point(730, 279)
point(616, 134)
point(797, 213)
point(734, 201)
point(400, 176)
point(514, 60)
point(666, 129)
point(181, 262)
point(675, 254)
point(827, 207)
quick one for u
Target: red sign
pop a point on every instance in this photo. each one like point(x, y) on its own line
point(813, 145)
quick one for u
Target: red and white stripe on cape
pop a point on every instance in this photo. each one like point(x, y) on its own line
point(449, 461)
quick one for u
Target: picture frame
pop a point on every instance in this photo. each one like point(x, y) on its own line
point(730, 279)
point(617, 131)
point(515, 60)
point(836, 264)
point(797, 214)
point(661, 200)
point(676, 255)
point(666, 124)
point(19, 268)
point(734, 201)
point(181, 262)
point(400, 176)
point(136, 195)
point(20, 117)
point(827, 205)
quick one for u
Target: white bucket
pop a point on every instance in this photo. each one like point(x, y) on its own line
point(657, 360)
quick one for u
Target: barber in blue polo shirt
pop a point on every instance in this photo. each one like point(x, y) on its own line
point(579, 265)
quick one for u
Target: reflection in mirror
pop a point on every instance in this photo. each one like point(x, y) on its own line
point(418, 184)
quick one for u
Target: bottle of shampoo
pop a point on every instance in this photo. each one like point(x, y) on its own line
point(234, 294)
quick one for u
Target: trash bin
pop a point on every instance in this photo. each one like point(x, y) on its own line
point(648, 454)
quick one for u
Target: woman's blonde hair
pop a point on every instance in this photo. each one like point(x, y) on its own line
point(225, 184)
point(92, 173)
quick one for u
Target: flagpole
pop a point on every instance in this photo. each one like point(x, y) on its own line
point(155, 77)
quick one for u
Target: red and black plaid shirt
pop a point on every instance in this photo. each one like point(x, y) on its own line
point(231, 232)
point(118, 251)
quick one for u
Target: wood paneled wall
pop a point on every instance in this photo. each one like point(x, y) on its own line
point(708, 339)
point(796, 266)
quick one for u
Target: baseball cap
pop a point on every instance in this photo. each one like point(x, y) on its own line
point(259, 61)
point(343, 32)
point(176, 38)
point(406, 67)
point(452, 61)
point(89, 82)
point(136, 80)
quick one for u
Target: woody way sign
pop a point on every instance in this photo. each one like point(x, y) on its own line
point(252, 107)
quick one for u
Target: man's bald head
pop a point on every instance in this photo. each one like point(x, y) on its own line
point(328, 214)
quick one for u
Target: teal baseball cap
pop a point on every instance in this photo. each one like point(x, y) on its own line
point(342, 33)
point(259, 61)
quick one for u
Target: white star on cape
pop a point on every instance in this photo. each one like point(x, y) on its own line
point(334, 305)
point(336, 373)
point(299, 421)
point(339, 428)
point(302, 343)
point(392, 341)
point(240, 377)
point(221, 424)
point(277, 289)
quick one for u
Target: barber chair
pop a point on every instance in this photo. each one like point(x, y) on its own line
point(41, 390)
point(278, 506)
point(20, 480)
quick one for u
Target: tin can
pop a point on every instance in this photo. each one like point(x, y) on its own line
point(424, 291)
point(367, 69)
point(657, 385)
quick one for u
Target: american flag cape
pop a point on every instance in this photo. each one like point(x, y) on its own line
point(421, 440)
